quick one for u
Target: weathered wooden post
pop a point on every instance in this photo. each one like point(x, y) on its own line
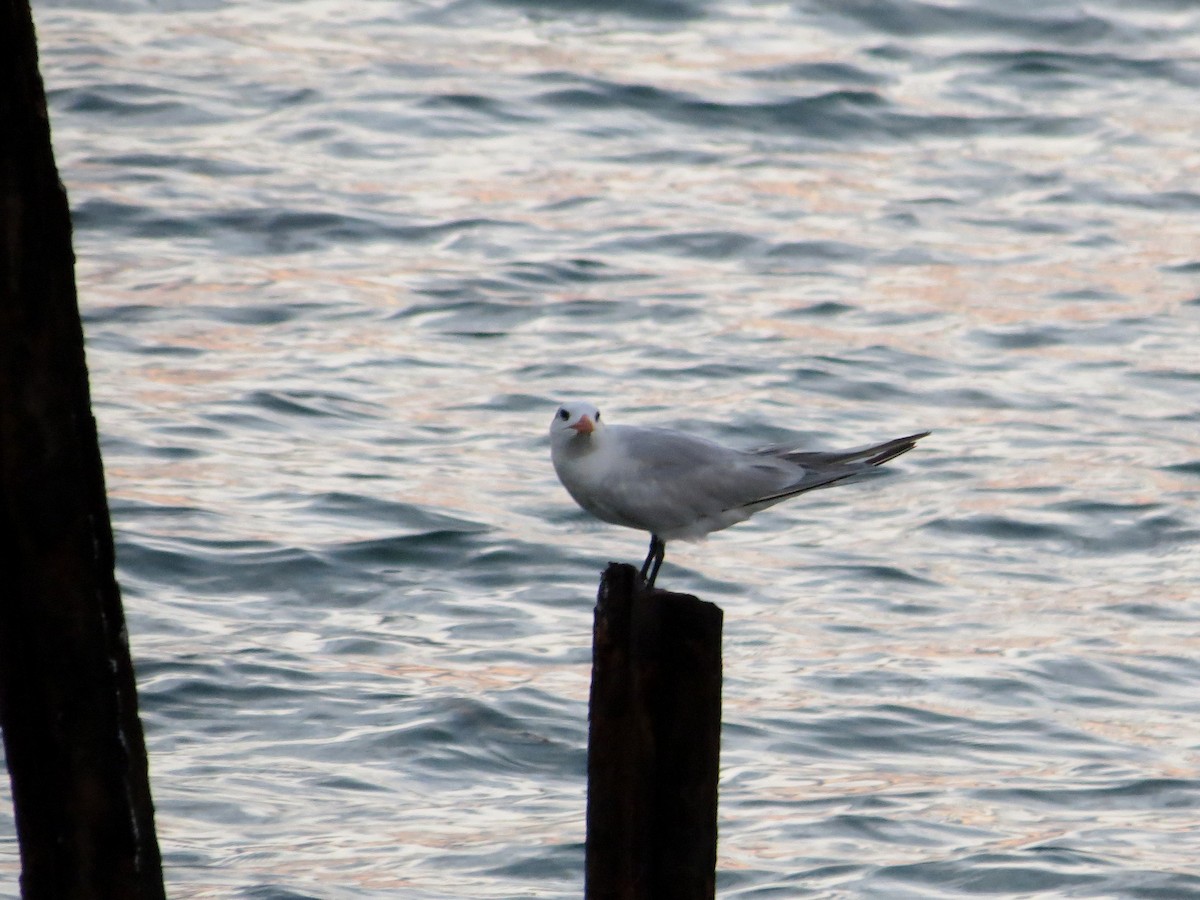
point(68, 703)
point(653, 743)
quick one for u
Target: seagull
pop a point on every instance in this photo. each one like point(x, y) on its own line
point(679, 486)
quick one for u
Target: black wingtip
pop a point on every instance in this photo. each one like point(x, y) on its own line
point(896, 447)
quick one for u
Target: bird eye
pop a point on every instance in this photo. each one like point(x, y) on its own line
point(597, 415)
point(564, 415)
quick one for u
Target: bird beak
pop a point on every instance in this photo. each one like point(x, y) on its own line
point(584, 425)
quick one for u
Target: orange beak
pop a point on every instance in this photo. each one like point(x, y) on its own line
point(584, 425)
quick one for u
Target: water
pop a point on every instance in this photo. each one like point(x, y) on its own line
point(338, 263)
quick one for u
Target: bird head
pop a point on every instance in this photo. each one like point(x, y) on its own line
point(573, 420)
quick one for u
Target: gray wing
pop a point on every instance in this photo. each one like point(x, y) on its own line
point(673, 483)
point(676, 478)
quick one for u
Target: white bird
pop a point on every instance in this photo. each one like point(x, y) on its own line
point(676, 485)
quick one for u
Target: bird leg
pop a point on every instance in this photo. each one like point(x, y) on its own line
point(658, 549)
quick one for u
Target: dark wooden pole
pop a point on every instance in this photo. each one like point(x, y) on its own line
point(68, 704)
point(653, 743)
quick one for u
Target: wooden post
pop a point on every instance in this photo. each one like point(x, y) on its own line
point(653, 743)
point(68, 703)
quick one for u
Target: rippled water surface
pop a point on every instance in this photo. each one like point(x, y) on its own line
point(338, 262)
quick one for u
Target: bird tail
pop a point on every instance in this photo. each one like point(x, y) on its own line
point(827, 468)
point(872, 455)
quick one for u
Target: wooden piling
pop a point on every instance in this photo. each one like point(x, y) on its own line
point(653, 743)
point(73, 740)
